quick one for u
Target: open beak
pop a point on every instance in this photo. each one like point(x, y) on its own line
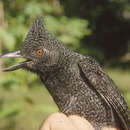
point(15, 54)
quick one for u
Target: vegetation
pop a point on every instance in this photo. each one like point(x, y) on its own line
point(100, 29)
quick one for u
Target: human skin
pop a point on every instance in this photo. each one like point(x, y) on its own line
point(59, 121)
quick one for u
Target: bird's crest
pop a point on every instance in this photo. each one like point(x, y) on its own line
point(37, 30)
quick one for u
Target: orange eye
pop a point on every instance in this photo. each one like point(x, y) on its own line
point(39, 52)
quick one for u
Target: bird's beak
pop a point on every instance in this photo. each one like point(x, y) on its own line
point(12, 55)
point(15, 54)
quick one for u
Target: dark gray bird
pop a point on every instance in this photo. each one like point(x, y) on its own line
point(77, 83)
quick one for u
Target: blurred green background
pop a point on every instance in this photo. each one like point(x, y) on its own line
point(97, 28)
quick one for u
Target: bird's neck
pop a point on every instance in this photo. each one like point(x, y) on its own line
point(59, 85)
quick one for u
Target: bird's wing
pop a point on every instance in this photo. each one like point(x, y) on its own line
point(99, 81)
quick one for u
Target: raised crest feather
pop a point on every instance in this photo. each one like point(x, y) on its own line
point(37, 30)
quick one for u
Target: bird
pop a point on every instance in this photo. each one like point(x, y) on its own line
point(76, 82)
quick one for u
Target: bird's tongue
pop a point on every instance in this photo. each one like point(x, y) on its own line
point(15, 54)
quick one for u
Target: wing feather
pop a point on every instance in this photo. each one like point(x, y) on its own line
point(106, 88)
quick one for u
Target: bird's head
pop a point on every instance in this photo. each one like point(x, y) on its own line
point(40, 49)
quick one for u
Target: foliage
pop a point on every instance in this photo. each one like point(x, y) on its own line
point(68, 30)
point(109, 22)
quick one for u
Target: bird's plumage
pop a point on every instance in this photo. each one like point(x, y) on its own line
point(77, 83)
point(105, 87)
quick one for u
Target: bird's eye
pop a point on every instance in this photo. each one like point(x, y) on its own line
point(39, 52)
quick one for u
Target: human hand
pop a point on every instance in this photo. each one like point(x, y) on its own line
point(59, 121)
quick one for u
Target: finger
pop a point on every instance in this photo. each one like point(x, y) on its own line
point(58, 121)
point(80, 123)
